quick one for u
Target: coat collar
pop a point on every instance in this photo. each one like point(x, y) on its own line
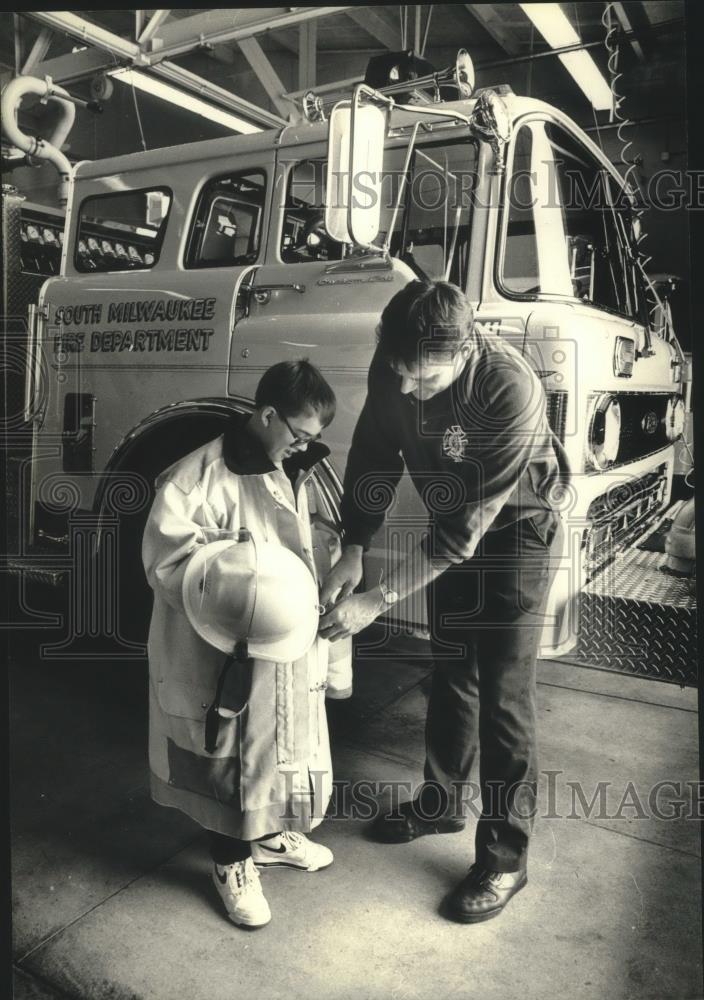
point(244, 454)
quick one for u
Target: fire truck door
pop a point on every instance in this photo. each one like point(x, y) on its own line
point(326, 311)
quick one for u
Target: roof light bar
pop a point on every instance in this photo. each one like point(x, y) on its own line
point(553, 25)
point(187, 102)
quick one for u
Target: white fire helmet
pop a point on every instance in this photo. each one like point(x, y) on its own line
point(261, 592)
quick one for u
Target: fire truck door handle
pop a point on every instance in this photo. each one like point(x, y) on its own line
point(262, 293)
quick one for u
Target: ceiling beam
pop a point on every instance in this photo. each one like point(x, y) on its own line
point(157, 18)
point(156, 49)
point(18, 40)
point(222, 52)
point(646, 12)
point(87, 33)
point(216, 26)
point(129, 53)
point(75, 65)
point(307, 63)
point(624, 20)
point(188, 31)
point(495, 25)
point(266, 74)
point(38, 51)
point(376, 26)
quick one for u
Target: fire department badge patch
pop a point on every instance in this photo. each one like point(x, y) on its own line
point(454, 442)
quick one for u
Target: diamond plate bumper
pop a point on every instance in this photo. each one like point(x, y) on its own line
point(635, 618)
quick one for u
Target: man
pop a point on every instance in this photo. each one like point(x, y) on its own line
point(467, 416)
point(267, 779)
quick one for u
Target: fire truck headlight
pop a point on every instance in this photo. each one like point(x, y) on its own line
point(674, 418)
point(604, 431)
point(624, 356)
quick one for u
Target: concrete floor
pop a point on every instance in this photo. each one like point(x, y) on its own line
point(112, 899)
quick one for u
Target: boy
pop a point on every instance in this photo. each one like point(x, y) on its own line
point(268, 781)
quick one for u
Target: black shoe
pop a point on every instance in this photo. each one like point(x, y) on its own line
point(482, 894)
point(395, 830)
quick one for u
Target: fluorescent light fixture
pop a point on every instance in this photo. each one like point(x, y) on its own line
point(557, 31)
point(157, 88)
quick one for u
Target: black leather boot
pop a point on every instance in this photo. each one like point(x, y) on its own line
point(482, 894)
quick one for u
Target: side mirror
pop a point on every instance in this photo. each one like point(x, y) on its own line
point(355, 160)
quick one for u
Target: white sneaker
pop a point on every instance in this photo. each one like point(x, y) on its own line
point(291, 850)
point(240, 888)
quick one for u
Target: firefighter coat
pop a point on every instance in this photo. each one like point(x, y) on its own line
point(271, 768)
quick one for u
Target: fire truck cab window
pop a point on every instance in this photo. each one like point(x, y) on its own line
point(121, 232)
point(520, 262)
point(595, 244)
point(431, 228)
point(227, 225)
point(568, 228)
point(303, 236)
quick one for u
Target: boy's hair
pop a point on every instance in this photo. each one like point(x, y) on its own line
point(294, 386)
point(425, 321)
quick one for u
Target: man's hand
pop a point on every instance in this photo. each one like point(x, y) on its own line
point(351, 615)
point(343, 577)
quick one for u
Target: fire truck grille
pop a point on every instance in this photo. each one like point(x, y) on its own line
point(557, 412)
point(642, 425)
point(620, 516)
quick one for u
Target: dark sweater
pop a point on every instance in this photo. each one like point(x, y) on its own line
point(480, 453)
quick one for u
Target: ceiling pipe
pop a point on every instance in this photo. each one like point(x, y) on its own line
point(36, 147)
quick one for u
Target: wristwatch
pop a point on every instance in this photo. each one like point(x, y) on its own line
point(389, 596)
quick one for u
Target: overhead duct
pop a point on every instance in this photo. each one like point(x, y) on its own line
point(37, 147)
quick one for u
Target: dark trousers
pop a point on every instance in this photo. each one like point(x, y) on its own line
point(227, 850)
point(486, 618)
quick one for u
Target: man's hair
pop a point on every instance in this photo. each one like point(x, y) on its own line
point(294, 386)
point(425, 321)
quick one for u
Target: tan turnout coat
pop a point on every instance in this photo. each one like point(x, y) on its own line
point(271, 767)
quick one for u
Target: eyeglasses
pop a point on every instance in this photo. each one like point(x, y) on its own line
point(300, 438)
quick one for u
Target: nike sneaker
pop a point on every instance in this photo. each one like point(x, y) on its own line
point(240, 889)
point(291, 850)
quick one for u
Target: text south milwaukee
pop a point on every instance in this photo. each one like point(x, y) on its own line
point(138, 311)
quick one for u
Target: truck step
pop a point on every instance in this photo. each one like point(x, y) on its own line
point(638, 618)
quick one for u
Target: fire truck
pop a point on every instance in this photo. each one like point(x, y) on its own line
point(186, 272)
